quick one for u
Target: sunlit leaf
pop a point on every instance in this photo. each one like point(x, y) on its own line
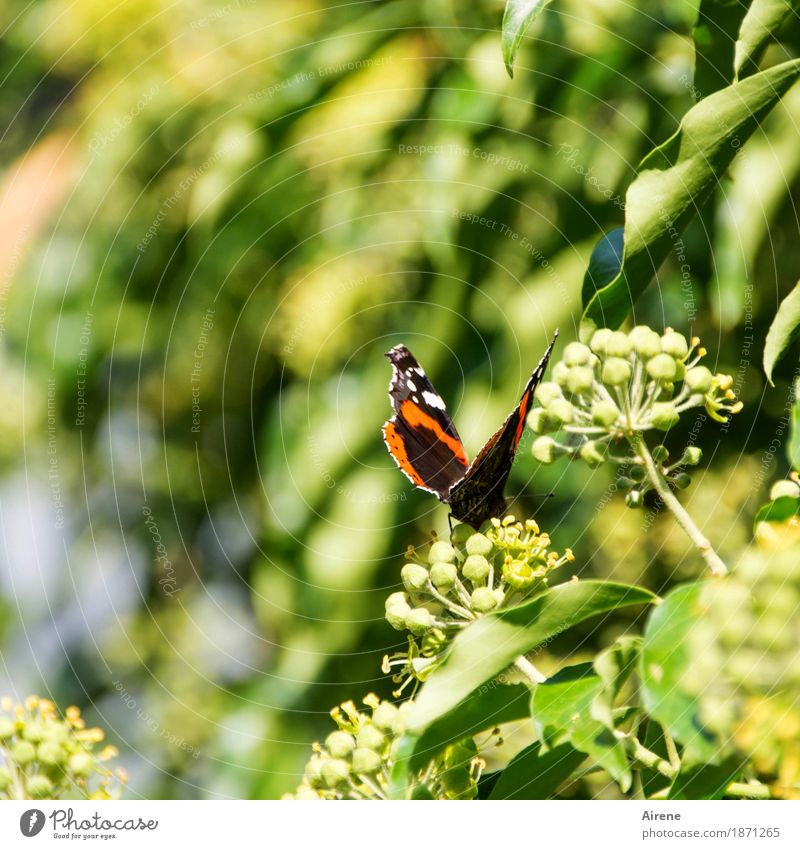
point(783, 331)
point(534, 774)
point(518, 16)
point(760, 24)
point(780, 510)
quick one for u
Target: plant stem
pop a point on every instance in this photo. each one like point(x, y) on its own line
point(529, 670)
point(672, 751)
point(660, 485)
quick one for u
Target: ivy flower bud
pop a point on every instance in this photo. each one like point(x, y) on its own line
point(23, 752)
point(34, 731)
point(637, 472)
point(590, 455)
point(616, 371)
point(634, 499)
point(5, 779)
point(396, 609)
point(442, 551)
point(604, 413)
point(692, 455)
point(618, 345)
point(580, 379)
point(699, 379)
point(646, 342)
point(483, 600)
point(369, 737)
point(662, 367)
point(419, 620)
point(335, 772)
point(547, 392)
point(561, 411)
point(479, 544)
point(414, 577)
point(681, 480)
point(540, 422)
point(443, 576)
point(674, 344)
point(660, 454)
point(560, 373)
point(81, 763)
point(599, 341)
point(461, 533)
point(366, 761)
point(783, 488)
point(386, 717)
point(576, 354)
point(476, 568)
point(7, 728)
point(39, 786)
point(544, 449)
point(50, 753)
point(340, 744)
point(665, 415)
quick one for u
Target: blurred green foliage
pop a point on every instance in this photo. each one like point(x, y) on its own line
point(216, 218)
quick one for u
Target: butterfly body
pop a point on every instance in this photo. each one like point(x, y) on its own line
point(425, 444)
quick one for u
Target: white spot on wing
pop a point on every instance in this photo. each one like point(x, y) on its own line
point(434, 400)
point(412, 386)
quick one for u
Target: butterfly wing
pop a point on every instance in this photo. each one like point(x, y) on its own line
point(420, 435)
point(478, 496)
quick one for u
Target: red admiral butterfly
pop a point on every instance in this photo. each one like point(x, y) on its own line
point(428, 450)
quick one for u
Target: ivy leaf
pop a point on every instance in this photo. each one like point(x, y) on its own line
point(534, 774)
point(492, 643)
point(615, 664)
point(518, 16)
point(605, 748)
point(780, 510)
point(793, 446)
point(676, 178)
point(783, 331)
point(558, 704)
point(604, 264)
point(704, 781)
point(714, 34)
point(759, 27)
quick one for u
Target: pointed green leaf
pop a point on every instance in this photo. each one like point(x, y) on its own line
point(704, 781)
point(560, 702)
point(783, 331)
point(676, 178)
point(605, 749)
point(518, 16)
point(604, 264)
point(780, 510)
point(534, 774)
point(759, 27)
point(718, 23)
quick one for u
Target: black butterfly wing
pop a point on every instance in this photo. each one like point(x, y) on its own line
point(420, 435)
point(478, 496)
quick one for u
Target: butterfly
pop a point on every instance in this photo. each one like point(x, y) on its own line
point(425, 444)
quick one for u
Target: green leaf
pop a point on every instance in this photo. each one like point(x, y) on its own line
point(676, 178)
point(665, 658)
point(518, 16)
point(558, 704)
point(605, 749)
point(704, 781)
point(534, 774)
point(760, 24)
point(615, 664)
point(783, 331)
point(604, 264)
point(652, 780)
point(793, 446)
point(491, 644)
point(779, 510)
point(718, 23)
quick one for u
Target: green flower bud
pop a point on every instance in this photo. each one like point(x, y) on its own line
point(634, 499)
point(5, 779)
point(443, 576)
point(23, 752)
point(637, 472)
point(39, 786)
point(646, 342)
point(664, 415)
point(50, 753)
point(561, 411)
point(475, 568)
point(396, 609)
point(7, 728)
point(461, 533)
point(590, 455)
point(547, 392)
point(580, 379)
point(699, 379)
point(386, 717)
point(340, 744)
point(366, 761)
point(692, 455)
point(479, 544)
point(81, 764)
point(370, 737)
point(540, 422)
point(681, 480)
point(414, 577)
point(313, 772)
point(781, 488)
point(483, 600)
point(544, 449)
point(618, 345)
point(680, 369)
point(34, 731)
point(442, 551)
point(660, 453)
point(560, 373)
point(604, 413)
point(304, 794)
point(674, 344)
point(662, 367)
point(625, 484)
point(335, 773)
point(576, 354)
point(616, 371)
point(419, 620)
point(600, 340)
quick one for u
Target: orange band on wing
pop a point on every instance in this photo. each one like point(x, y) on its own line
point(418, 418)
point(398, 450)
point(523, 410)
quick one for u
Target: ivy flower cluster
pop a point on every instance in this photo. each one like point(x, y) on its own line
point(356, 760)
point(461, 580)
point(45, 756)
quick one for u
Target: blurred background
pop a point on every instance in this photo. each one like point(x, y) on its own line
point(215, 218)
